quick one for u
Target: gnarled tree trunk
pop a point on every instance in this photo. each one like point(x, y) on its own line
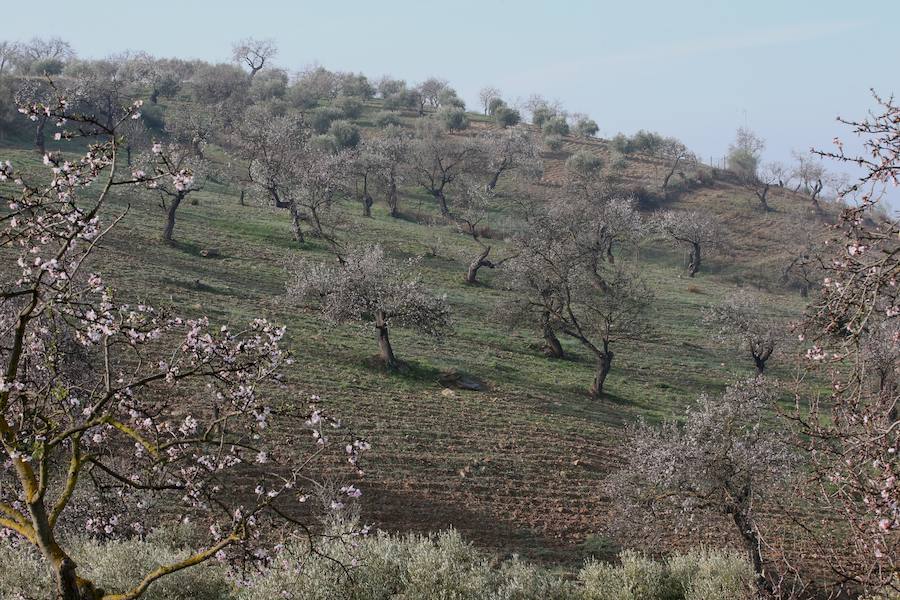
point(480, 261)
point(393, 199)
point(694, 265)
point(553, 346)
point(753, 544)
point(384, 343)
point(604, 364)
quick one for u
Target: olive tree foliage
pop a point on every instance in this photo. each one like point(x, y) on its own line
point(741, 319)
point(219, 84)
point(43, 56)
point(487, 95)
point(585, 127)
point(508, 151)
point(371, 288)
point(724, 457)
point(692, 230)
point(115, 415)
point(853, 434)
point(159, 76)
point(438, 159)
point(744, 153)
point(254, 53)
point(452, 118)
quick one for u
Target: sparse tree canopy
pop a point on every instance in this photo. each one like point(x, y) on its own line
point(489, 95)
point(726, 458)
point(744, 153)
point(254, 54)
point(510, 150)
point(369, 287)
point(742, 319)
point(438, 159)
point(696, 231)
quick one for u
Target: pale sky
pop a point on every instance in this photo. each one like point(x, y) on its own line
point(692, 69)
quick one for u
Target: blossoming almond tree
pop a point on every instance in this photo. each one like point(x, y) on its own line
point(113, 413)
point(853, 335)
point(369, 287)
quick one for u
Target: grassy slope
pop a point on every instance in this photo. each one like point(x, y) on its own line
point(517, 467)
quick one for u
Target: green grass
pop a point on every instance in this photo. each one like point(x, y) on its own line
point(516, 467)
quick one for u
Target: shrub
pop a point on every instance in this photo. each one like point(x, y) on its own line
point(583, 163)
point(321, 118)
point(351, 107)
point(453, 118)
point(494, 104)
point(506, 117)
point(555, 126)
point(324, 144)
point(154, 117)
point(345, 134)
point(448, 97)
point(542, 114)
point(744, 163)
point(117, 566)
point(386, 118)
point(621, 143)
point(47, 66)
point(586, 128)
point(554, 143)
point(403, 99)
point(646, 141)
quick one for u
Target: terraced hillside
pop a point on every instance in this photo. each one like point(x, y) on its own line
point(518, 465)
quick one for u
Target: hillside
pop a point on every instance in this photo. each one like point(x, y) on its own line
point(517, 466)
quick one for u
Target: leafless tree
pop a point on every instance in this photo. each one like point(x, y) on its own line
point(194, 126)
point(771, 173)
point(486, 95)
point(673, 153)
point(811, 175)
point(369, 287)
point(431, 90)
point(508, 150)
point(474, 203)
point(438, 159)
point(692, 229)
point(393, 148)
point(741, 318)
point(254, 53)
point(558, 283)
point(9, 52)
point(725, 457)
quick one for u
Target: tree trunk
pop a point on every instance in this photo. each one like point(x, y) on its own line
point(154, 96)
point(367, 203)
point(554, 347)
point(442, 202)
point(296, 219)
point(694, 265)
point(753, 544)
point(393, 199)
point(604, 364)
point(170, 217)
point(493, 182)
point(760, 364)
point(384, 343)
point(242, 196)
point(128, 154)
point(39, 141)
point(481, 261)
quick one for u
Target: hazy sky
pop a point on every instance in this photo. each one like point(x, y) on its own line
point(696, 70)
